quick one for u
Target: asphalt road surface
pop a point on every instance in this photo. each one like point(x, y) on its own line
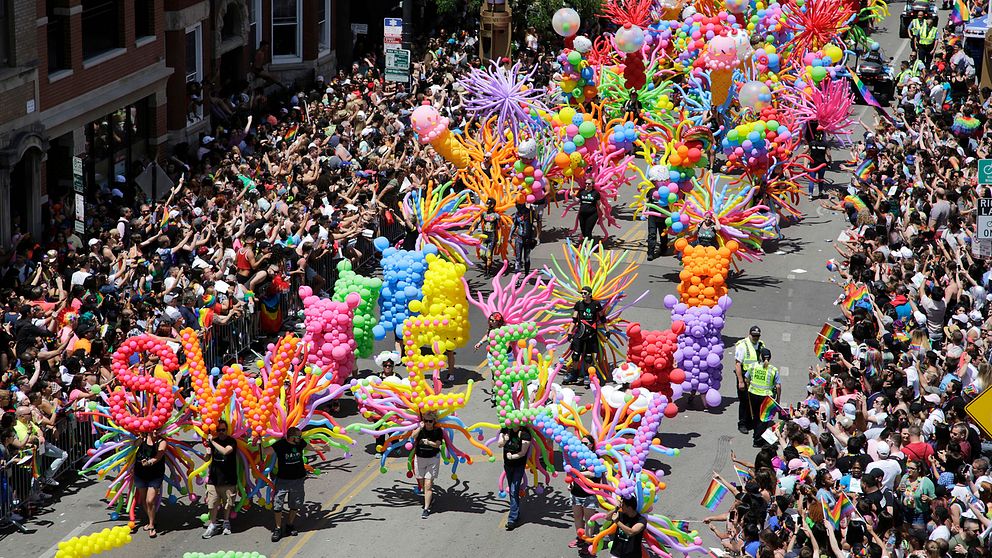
point(354, 510)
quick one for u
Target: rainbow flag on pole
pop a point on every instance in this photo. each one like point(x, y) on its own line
point(865, 169)
point(827, 333)
point(769, 408)
point(714, 495)
point(291, 132)
point(742, 474)
point(960, 12)
point(868, 97)
point(842, 508)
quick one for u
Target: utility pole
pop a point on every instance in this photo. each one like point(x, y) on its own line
point(407, 6)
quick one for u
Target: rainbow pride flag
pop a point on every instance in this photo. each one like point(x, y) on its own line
point(853, 294)
point(769, 408)
point(960, 12)
point(291, 132)
point(842, 508)
point(827, 333)
point(868, 97)
point(742, 474)
point(714, 495)
point(866, 169)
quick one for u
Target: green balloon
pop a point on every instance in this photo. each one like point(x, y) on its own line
point(587, 129)
point(818, 73)
point(574, 58)
point(772, 125)
point(578, 140)
point(519, 166)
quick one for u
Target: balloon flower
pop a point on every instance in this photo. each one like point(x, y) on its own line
point(367, 289)
point(624, 427)
point(402, 281)
point(432, 128)
point(523, 299)
point(629, 39)
point(503, 94)
point(609, 274)
point(442, 217)
point(330, 333)
point(816, 24)
point(828, 106)
point(700, 352)
point(90, 545)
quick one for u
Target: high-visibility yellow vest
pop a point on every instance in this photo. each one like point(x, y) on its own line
point(762, 379)
point(928, 33)
point(750, 352)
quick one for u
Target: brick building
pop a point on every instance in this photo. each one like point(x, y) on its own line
point(112, 84)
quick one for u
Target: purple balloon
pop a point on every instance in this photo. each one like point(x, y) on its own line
point(712, 398)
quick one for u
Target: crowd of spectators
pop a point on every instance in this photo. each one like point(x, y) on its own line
point(288, 176)
point(884, 422)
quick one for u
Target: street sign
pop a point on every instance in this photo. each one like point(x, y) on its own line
point(392, 32)
point(79, 187)
point(398, 65)
point(980, 411)
point(984, 218)
point(984, 171)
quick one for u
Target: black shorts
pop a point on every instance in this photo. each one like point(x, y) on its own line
point(586, 345)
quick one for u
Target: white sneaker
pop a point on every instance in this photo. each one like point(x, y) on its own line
point(211, 530)
point(48, 482)
point(227, 527)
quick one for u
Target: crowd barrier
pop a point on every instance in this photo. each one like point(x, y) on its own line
point(20, 479)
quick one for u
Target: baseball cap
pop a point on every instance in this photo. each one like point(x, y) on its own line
point(882, 449)
point(796, 463)
point(755, 329)
point(850, 410)
point(94, 241)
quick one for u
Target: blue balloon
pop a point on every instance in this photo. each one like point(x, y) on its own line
point(379, 332)
point(677, 227)
point(568, 147)
point(578, 119)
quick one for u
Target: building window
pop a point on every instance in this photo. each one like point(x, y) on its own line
point(102, 29)
point(6, 30)
point(144, 18)
point(255, 30)
point(194, 74)
point(116, 141)
point(324, 26)
point(59, 49)
point(286, 16)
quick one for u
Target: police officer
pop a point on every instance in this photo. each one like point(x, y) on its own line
point(924, 33)
point(745, 352)
point(763, 382)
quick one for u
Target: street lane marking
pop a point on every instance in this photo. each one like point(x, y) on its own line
point(787, 337)
point(74, 533)
point(364, 474)
point(784, 370)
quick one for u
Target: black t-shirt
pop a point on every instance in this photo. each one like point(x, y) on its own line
point(290, 459)
point(513, 445)
point(588, 201)
point(818, 152)
point(151, 472)
point(588, 316)
point(432, 435)
point(624, 545)
point(223, 470)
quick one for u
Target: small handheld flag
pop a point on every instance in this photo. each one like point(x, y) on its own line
point(714, 495)
point(769, 408)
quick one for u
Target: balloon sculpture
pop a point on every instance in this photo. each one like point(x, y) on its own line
point(367, 289)
point(330, 333)
point(652, 352)
point(402, 281)
point(432, 128)
point(700, 352)
point(90, 545)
